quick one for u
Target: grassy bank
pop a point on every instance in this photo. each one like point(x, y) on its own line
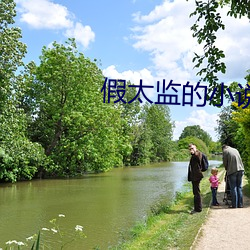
point(170, 227)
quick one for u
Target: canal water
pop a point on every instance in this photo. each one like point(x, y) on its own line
point(105, 204)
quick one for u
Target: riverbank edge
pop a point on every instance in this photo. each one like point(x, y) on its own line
point(171, 226)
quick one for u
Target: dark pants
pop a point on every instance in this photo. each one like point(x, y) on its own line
point(197, 196)
point(214, 196)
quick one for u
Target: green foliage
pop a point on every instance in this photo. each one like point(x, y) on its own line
point(141, 145)
point(68, 117)
point(20, 159)
point(237, 8)
point(54, 121)
point(227, 127)
point(215, 148)
point(210, 20)
point(159, 127)
point(242, 136)
point(53, 237)
point(181, 154)
point(207, 24)
point(151, 135)
point(196, 131)
point(12, 50)
point(36, 243)
point(201, 146)
point(130, 131)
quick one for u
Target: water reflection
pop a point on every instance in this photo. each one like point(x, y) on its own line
point(105, 204)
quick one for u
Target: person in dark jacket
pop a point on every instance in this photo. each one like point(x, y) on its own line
point(235, 170)
point(195, 175)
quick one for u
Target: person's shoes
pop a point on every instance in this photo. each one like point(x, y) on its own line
point(217, 204)
point(231, 206)
point(194, 212)
point(240, 206)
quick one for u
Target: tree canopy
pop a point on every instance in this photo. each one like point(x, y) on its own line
point(201, 146)
point(19, 158)
point(196, 131)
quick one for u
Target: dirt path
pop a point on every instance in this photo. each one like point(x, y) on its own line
point(225, 228)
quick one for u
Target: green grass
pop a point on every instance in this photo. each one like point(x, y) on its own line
point(246, 188)
point(170, 226)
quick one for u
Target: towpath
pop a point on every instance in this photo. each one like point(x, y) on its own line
point(225, 228)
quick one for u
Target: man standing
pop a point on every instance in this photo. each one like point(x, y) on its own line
point(235, 170)
point(195, 175)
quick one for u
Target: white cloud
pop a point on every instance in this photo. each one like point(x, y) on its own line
point(234, 41)
point(44, 14)
point(83, 34)
point(208, 122)
point(165, 33)
point(159, 12)
point(132, 76)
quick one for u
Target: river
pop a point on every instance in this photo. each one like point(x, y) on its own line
point(105, 204)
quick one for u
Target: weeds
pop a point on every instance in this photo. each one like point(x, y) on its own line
point(53, 237)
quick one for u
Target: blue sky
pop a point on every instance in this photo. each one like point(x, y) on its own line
point(137, 39)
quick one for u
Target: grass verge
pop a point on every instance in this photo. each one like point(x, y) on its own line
point(170, 226)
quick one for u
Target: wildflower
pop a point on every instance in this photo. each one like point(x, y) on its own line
point(10, 242)
point(29, 238)
point(54, 230)
point(61, 215)
point(78, 228)
point(20, 243)
point(45, 229)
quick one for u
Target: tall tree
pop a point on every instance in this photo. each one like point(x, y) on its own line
point(227, 127)
point(241, 115)
point(184, 142)
point(12, 51)
point(196, 131)
point(78, 131)
point(158, 123)
point(130, 119)
point(19, 158)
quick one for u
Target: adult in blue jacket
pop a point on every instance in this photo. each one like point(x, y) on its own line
point(235, 169)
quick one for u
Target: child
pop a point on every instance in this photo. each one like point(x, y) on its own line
point(214, 185)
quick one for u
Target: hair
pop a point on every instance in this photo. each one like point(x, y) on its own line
point(214, 170)
point(224, 146)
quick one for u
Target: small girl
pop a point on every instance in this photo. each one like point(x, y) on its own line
point(214, 185)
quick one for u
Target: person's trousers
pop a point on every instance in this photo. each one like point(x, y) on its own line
point(197, 196)
point(235, 182)
point(214, 196)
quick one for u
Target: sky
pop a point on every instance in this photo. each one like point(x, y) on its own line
point(131, 40)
